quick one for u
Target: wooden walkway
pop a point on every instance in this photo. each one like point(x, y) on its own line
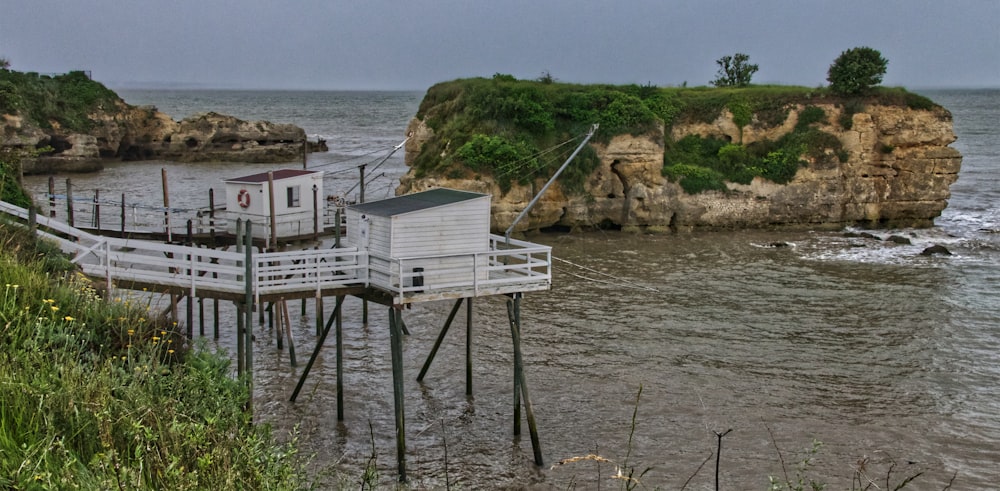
point(507, 268)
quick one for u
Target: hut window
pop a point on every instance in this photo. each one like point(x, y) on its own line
point(293, 197)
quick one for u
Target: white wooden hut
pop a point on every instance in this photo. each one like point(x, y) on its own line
point(296, 194)
point(436, 239)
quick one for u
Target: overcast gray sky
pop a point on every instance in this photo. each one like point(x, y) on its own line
point(386, 44)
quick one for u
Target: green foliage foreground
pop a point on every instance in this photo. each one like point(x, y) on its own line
point(94, 394)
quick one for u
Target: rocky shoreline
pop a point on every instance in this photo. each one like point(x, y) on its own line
point(132, 133)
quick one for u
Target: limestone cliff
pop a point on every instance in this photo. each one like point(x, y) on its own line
point(110, 129)
point(895, 170)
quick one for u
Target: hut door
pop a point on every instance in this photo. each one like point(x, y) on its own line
point(364, 231)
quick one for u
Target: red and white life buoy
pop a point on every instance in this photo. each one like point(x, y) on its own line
point(243, 198)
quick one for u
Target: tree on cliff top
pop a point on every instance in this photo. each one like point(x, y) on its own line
point(734, 71)
point(4, 63)
point(856, 71)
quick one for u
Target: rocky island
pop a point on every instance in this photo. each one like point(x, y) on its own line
point(82, 124)
point(677, 159)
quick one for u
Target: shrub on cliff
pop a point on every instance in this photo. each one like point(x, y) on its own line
point(67, 100)
point(856, 71)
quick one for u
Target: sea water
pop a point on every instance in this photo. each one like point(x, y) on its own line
point(648, 348)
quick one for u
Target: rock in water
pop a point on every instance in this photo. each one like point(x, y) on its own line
point(936, 249)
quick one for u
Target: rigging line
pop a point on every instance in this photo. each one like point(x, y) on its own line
point(524, 162)
point(623, 281)
point(606, 282)
point(521, 163)
point(349, 159)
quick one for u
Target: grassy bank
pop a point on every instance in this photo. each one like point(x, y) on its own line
point(96, 393)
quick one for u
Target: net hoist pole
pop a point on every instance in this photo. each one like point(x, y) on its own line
point(593, 129)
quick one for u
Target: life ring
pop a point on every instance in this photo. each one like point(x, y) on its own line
point(243, 198)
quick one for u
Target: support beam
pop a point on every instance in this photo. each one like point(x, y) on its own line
point(316, 350)
point(437, 344)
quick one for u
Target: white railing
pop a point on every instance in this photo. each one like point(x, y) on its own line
point(508, 266)
point(192, 268)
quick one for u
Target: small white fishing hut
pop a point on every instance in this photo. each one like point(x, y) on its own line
point(294, 210)
point(428, 240)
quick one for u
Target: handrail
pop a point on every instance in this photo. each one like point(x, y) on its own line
point(506, 266)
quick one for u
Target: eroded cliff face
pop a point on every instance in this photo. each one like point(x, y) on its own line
point(898, 172)
point(143, 133)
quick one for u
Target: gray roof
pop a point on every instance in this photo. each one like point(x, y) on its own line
point(278, 174)
point(415, 202)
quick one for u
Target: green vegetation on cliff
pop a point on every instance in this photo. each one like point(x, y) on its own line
point(505, 128)
point(66, 100)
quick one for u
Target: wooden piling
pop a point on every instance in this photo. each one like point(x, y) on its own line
point(248, 332)
point(396, 342)
point(338, 316)
point(468, 348)
point(288, 331)
point(211, 216)
point(315, 210)
point(96, 220)
point(274, 219)
point(514, 314)
point(240, 316)
point(52, 196)
point(240, 327)
point(166, 203)
point(69, 202)
point(123, 215)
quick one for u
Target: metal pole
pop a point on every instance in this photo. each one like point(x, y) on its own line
point(534, 200)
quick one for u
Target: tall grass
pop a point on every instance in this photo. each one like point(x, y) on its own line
point(96, 393)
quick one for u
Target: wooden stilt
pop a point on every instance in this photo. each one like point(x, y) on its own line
point(514, 312)
point(468, 348)
point(189, 316)
point(248, 332)
point(288, 331)
point(270, 324)
point(215, 318)
point(201, 316)
point(69, 202)
point(240, 315)
point(240, 361)
point(319, 313)
point(396, 340)
point(316, 350)
point(52, 197)
point(437, 344)
point(338, 316)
